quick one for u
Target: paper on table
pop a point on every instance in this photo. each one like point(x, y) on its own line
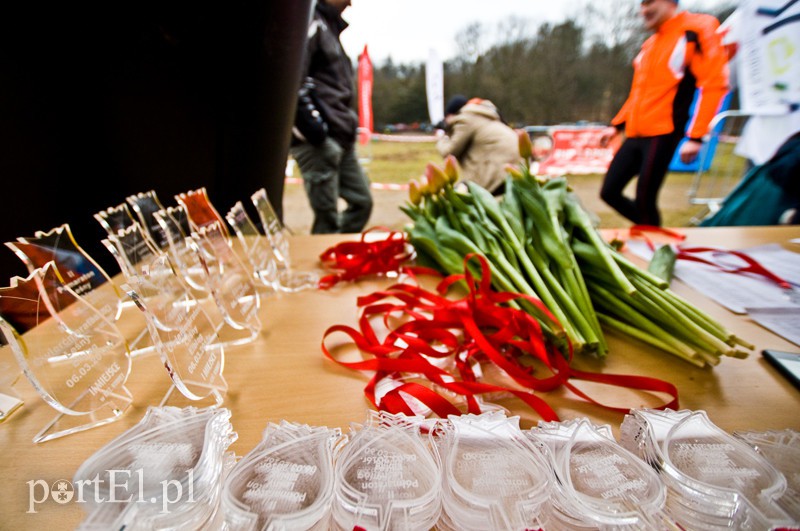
point(739, 293)
point(783, 321)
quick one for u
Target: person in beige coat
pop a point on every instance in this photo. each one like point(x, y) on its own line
point(481, 142)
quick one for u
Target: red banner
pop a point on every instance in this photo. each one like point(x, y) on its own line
point(577, 152)
point(365, 123)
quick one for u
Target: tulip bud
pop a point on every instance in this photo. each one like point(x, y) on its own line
point(514, 171)
point(525, 146)
point(424, 185)
point(414, 192)
point(436, 178)
point(452, 169)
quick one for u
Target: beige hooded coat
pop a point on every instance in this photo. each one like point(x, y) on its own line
point(481, 142)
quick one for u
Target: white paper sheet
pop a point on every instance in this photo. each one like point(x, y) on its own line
point(782, 321)
point(740, 292)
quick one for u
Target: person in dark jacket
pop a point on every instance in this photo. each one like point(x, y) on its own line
point(324, 135)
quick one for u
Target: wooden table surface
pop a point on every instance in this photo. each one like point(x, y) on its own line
point(283, 375)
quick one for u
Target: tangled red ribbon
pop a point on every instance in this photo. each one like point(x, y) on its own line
point(356, 259)
point(445, 341)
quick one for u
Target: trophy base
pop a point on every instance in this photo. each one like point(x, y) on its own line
point(231, 337)
point(64, 424)
point(142, 344)
point(293, 281)
point(177, 399)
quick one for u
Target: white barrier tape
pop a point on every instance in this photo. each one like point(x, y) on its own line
point(404, 138)
point(374, 186)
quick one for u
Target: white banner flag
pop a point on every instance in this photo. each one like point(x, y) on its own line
point(434, 86)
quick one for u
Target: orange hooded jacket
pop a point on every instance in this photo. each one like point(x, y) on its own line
point(685, 53)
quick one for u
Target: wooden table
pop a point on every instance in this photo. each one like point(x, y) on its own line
point(283, 375)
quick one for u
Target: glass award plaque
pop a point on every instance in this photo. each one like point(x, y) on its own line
point(83, 275)
point(255, 247)
point(275, 232)
point(230, 282)
point(73, 354)
point(174, 221)
point(115, 218)
point(118, 218)
point(145, 205)
point(173, 464)
point(183, 333)
point(201, 211)
point(273, 228)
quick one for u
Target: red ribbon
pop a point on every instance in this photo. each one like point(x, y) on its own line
point(642, 230)
point(689, 253)
point(753, 266)
point(356, 259)
point(441, 340)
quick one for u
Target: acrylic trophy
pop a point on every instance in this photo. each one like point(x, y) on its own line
point(201, 211)
point(174, 221)
point(146, 205)
point(255, 247)
point(73, 354)
point(83, 275)
point(230, 282)
point(275, 232)
point(115, 218)
point(184, 334)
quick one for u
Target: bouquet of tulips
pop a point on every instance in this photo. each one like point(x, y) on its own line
point(539, 241)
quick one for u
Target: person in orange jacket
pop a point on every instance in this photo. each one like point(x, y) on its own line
point(683, 56)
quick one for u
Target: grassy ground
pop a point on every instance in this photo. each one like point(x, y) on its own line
point(398, 162)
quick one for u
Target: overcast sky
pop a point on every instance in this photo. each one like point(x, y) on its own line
point(407, 29)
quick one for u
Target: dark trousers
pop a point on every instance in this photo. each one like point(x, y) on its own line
point(649, 158)
point(330, 172)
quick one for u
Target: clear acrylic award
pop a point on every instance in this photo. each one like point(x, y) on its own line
point(145, 205)
point(387, 476)
point(184, 335)
point(273, 228)
point(201, 211)
point(174, 221)
point(73, 354)
point(599, 484)
point(255, 247)
point(285, 482)
point(230, 282)
point(165, 473)
point(84, 276)
point(275, 232)
point(492, 476)
point(115, 218)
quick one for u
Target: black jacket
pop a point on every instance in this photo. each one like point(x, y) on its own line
point(330, 73)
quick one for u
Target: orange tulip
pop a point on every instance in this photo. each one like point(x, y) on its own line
point(414, 192)
point(451, 169)
point(436, 177)
point(525, 146)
